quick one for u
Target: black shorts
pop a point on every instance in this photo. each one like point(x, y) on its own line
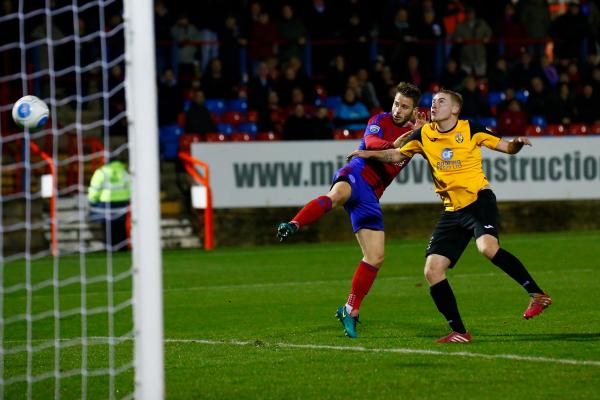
point(456, 228)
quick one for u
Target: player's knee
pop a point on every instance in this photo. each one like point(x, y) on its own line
point(434, 272)
point(489, 250)
point(374, 259)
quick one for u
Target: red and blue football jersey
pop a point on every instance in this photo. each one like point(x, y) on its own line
point(380, 134)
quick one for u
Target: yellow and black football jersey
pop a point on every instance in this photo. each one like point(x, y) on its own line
point(454, 157)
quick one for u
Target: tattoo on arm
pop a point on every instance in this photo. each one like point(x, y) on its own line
point(388, 157)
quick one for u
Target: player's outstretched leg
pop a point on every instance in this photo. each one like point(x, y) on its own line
point(310, 213)
point(285, 230)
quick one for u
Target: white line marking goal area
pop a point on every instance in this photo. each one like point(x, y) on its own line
point(464, 354)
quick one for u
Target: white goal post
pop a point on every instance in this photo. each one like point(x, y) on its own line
point(146, 247)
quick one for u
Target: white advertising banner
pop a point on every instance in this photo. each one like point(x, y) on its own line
point(261, 174)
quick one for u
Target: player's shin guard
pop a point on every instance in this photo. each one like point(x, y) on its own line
point(444, 299)
point(312, 211)
point(361, 284)
point(516, 270)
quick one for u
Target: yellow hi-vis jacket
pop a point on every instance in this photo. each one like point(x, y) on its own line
point(110, 183)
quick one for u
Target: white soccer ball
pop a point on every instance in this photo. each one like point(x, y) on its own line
point(30, 112)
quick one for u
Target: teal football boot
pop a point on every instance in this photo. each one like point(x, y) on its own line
point(348, 322)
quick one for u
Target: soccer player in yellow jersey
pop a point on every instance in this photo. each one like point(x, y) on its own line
point(452, 149)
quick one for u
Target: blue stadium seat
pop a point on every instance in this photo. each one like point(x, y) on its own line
point(494, 98)
point(522, 96)
point(215, 105)
point(186, 105)
point(169, 141)
point(426, 99)
point(539, 120)
point(488, 121)
point(227, 129)
point(333, 101)
point(239, 105)
point(248, 127)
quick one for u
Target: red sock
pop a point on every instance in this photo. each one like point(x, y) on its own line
point(312, 211)
point(361, 283)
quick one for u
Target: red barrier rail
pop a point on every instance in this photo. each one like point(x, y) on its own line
point(53, 228)
point(189, 163)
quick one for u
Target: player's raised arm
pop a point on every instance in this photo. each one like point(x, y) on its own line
point(387, 156)
point(513, 146)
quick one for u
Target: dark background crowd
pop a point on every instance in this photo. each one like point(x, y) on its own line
point(305, 69)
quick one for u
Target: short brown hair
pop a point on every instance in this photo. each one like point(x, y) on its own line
point(455, 96)
point(409, 90)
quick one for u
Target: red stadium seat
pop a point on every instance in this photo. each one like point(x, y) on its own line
point(595, 129)
point(252, 116)
point(579, 129)
point(268, 136)
point(241, 137)
point(216, 137)
point(343, 134)
point(534, 130)
point(186, 140)
point(556, 130)
point(215, 117)
point(357, 133)
point(512, 123)
point(233, 117)
point(181, 119)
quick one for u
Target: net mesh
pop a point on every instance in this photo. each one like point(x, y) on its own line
point(66, 290)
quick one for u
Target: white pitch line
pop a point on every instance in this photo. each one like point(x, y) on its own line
point(468, 354)
point(340, 281)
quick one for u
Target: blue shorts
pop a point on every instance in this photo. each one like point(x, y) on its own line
point(362, 206)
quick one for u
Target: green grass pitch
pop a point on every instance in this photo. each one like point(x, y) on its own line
point(248, 323)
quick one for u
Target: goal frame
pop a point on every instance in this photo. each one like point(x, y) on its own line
point(140, 93)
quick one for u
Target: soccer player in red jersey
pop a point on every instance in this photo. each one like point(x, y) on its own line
point(358, 186)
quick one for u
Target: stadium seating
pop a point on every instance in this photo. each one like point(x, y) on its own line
point(556, 130)
point(426, 99)
point(495, 98)
point(187, 103)
point(579, 129)
point(181, 119)
point(239, 105)
point(216, 106)
point(539, 120)
point(169, 140)
point(217, 137)
point(232, 117)
point(225, 128)
point(242, 137)
point(248, 127)
point(512, 123)
point(522, 96)
point(343, 134)
point(333, 101)
point(488, 121)
point(534, 130)
point(252, 116)
point(595, 129)
point(268, 136)
point(186, 140)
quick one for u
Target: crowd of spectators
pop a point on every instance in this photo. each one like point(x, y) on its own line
point(306, 68)
point(300, 65)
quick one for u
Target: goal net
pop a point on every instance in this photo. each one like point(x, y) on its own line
point(80, 299)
